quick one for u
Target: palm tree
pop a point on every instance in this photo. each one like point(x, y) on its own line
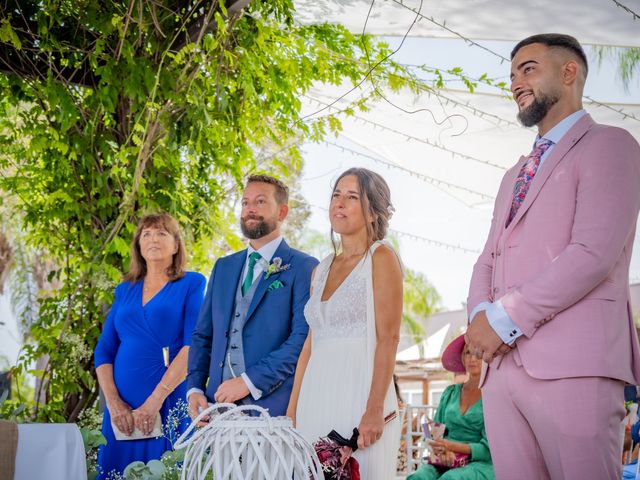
point(421, 300)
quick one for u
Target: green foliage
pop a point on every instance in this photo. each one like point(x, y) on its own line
point(110, 110)
point(421, 300)
point(11, 413)
point(628, 60)
point(168, 467)
point(439, 78)
point(153, 470)
point(92, 439)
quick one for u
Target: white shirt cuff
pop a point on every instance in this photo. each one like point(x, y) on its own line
point(502, 324)
point(480, 307)
point(255, 393)
point(194, 390)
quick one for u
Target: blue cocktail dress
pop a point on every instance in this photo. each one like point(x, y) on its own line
point(132, 340)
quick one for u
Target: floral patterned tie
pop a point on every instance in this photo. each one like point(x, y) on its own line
point(527, 172)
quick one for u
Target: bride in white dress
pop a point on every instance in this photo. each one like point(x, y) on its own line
point(344, 374)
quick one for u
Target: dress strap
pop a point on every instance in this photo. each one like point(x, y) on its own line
point(387, 243)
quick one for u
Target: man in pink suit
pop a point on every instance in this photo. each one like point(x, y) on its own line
point(549, 296)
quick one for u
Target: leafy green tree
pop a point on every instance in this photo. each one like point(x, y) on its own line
point(112, 109)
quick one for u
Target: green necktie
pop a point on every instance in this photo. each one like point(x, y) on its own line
point(248, 280)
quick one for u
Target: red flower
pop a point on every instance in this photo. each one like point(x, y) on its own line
point(324, 455)
point(354, 469)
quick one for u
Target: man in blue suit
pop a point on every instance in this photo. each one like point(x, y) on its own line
point(251, 326)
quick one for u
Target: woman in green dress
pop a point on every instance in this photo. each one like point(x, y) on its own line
point(460, 409)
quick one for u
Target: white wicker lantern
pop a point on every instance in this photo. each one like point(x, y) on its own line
point(236, 446)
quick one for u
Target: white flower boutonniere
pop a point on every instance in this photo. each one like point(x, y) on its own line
point(274, 267)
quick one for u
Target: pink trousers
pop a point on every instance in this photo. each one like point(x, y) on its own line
point(564, 429)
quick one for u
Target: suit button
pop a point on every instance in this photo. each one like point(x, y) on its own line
point(235, 330)
point(233, 347)
point(495, 290)
point(237, 315)
point(493, 255)
point(221, 364)
point(226, 334)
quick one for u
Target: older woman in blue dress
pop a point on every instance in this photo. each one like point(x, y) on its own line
point(141, 357)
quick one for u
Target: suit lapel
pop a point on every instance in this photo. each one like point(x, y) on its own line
point(230, 277)
point(572, 137)
point(284, 252)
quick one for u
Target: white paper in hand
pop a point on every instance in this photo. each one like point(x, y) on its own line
point(137, 434)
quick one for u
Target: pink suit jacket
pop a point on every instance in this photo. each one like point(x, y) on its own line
point(561, 267)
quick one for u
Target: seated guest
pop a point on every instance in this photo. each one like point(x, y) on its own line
point(460, 409)
point(141, 357)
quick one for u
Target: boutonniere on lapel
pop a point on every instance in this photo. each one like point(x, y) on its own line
point(275, 285)
point(274, 267)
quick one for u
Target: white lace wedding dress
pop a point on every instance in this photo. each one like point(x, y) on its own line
point(336, 383)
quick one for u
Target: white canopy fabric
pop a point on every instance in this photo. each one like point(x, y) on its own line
point(594, 22)
point(444, 162)
point(465, 156)
point(443, 177)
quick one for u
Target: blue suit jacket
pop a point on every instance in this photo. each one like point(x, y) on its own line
point(273, 335)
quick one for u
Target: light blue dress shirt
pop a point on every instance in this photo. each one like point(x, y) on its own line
point(496, 314)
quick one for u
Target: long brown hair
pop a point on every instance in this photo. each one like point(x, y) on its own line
point(138, 267)
point(375, 199)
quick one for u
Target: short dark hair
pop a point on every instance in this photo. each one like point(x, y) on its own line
point(555, 40)
point(282, 191)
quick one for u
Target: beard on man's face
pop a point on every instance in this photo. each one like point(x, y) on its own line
point(261, 229)
point(535, 113)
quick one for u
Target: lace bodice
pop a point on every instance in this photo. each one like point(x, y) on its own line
point(344, 314)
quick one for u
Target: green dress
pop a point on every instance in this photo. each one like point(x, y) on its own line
point(467, 428)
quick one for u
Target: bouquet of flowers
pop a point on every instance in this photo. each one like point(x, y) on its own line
point(334, 452)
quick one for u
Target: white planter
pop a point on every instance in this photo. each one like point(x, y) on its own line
point(236, 446)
